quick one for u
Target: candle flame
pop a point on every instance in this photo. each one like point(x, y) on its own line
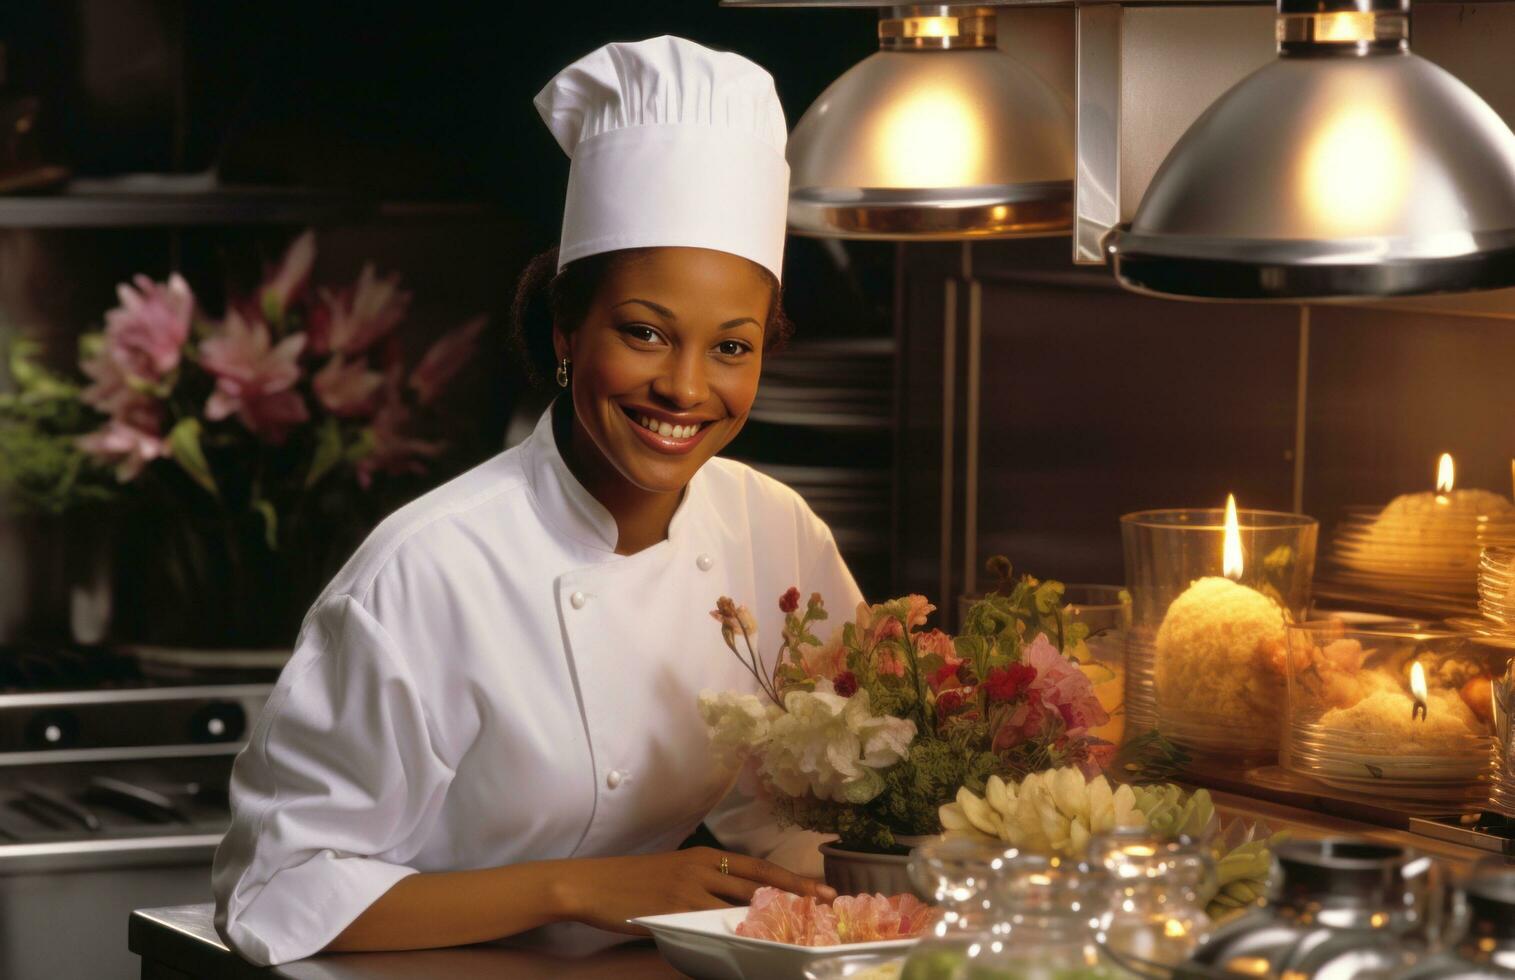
point(1418, 682)
point(1231, 558)
point(1444, 473)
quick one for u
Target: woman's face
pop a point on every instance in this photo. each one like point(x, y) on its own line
point(665, 365)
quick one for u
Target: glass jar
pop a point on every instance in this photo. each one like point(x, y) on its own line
point(1342, 908)
point(1203, 640)
point(957, 874)
point(1483, 947)
point(1156, 916)
point(1045, 914)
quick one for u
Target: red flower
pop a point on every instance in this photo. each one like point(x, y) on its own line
point(943, 674)
point(947, 702)
point(845, 684)
point(789, 601)
point(1007, 683)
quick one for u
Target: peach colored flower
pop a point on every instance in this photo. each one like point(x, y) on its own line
point(289, 279)
point(254, 377)
point(445, 359)
point(359, 316)
point(348, 390)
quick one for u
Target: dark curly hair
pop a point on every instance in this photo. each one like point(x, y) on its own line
point(545, 296)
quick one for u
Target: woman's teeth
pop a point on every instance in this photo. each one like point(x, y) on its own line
point(668, 431)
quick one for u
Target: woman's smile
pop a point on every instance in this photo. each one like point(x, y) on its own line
point(665, 433)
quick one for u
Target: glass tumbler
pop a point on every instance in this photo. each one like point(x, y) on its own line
point(1205, 651)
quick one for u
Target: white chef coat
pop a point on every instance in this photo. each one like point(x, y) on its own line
point(487, 682)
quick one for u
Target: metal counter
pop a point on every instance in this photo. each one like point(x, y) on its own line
point(179, 943)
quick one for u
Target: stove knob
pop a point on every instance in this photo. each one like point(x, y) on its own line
point(218, 721)
point(54, 729)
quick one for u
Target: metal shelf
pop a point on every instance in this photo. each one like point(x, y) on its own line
point(101, 208)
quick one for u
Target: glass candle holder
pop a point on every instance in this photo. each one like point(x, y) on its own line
point(1106, 610)
point(1205, 651)
point(1394, 711)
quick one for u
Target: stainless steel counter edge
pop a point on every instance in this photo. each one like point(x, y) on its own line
point(182, 938)
point(96, 854)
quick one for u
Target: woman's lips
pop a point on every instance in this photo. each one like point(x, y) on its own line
point(668, 445)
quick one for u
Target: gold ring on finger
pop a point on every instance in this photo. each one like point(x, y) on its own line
point(725, 865)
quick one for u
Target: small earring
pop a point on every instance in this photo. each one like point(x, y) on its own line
point(563, 373)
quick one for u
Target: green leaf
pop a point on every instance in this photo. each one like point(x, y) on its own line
point(184, 441)
point(270, 517)
point(328, 452)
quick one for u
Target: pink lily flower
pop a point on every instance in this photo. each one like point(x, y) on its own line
point(148, 330)
point(394, 451)
point(289, 279)
point(254, 378)
point(143, 340)
point(445, 359)
point(125, 444)
point(348, 390)
point(358, 317)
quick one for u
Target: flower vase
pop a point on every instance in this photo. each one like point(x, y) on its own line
point(865, 872)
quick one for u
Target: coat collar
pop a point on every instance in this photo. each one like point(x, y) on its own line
point(570, 508)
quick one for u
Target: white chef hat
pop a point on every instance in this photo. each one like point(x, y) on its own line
point(671, 144)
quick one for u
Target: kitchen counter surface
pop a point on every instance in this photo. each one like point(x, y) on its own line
point(180, 942)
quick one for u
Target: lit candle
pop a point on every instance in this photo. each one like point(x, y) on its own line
point(1444, 479)
point(1231, 563)
point(1418, 688)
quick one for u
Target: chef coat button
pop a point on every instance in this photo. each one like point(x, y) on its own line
point(577, 600)
point(613, 778)
point(705, 563)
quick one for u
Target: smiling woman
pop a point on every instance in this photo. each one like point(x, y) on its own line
point(490, 723)
point(661, 349)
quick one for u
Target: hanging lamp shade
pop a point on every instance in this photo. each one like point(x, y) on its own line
point(1348, 167)
point(938, 135)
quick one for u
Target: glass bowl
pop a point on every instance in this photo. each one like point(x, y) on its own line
point(1400, 712)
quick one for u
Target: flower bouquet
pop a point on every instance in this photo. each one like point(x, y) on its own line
point(867, 733)
point(260, 434)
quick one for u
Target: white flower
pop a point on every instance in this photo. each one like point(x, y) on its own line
point(1054, 812)
point(832, 746)
point(739, 723)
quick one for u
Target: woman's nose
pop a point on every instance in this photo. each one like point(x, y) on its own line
point(683, 382)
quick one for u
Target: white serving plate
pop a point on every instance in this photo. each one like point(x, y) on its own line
point(705, 946)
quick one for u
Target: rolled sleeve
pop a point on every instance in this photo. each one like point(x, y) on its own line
point(336, 789)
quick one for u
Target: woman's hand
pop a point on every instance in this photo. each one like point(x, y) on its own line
point(606, 892)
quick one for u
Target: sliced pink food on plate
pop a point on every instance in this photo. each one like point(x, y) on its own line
point(787, 918)
point(871, 918)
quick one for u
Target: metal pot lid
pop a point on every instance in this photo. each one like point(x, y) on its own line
point(1369, 173)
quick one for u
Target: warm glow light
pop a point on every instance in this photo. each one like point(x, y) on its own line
point(931, 138)
point(930, 27)
point(1345, 26)
point(1356, 172)
point(1174, 929)
point(1418, 682)
point(1230, 555)
point(1444, 473)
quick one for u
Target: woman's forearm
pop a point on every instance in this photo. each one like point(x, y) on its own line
point(454, 908)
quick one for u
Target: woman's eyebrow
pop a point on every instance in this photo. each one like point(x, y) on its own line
point(657, 308)
point(738, 322)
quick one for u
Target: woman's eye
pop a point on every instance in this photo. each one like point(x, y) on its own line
point(732, 348)
point(641, 332)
